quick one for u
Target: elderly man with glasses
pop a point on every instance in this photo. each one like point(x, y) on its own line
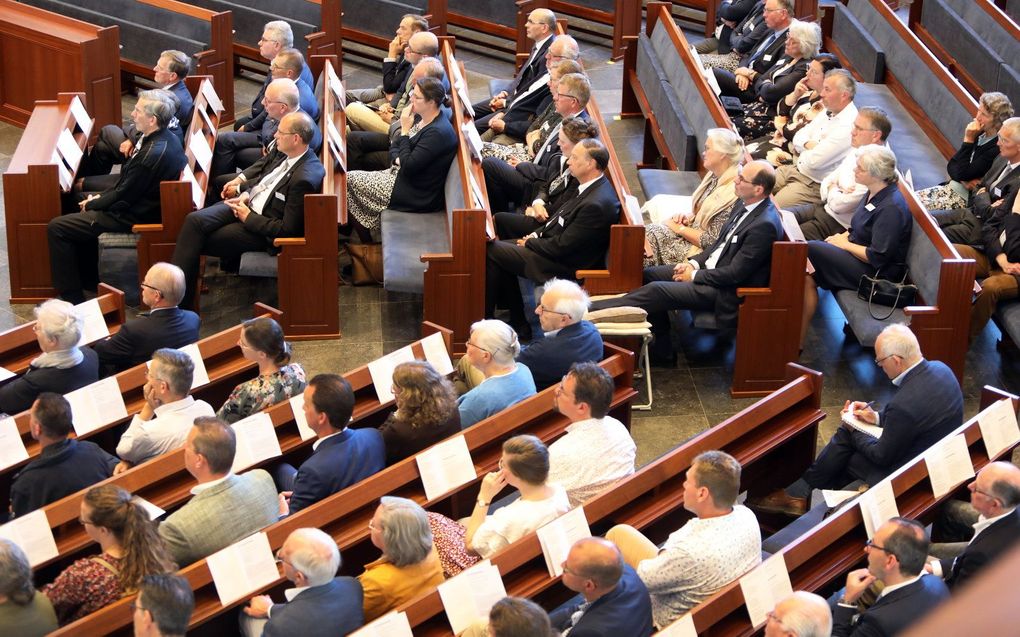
point(927, 406)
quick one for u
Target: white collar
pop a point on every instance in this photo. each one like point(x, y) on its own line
point(889, 589)
point(983, 522)
point(183, 403)
point(552, 333)
point(584, 186)
point(291, 593)
point(199, 488)
point(899, 379)
point(540, 43)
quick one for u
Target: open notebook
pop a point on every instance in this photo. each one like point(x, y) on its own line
point(872, 430)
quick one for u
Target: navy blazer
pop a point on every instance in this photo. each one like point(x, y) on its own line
point(625, 611)
point(883, 224)
point(283, 214)
point(550, 358)
point(986, 547)
point(749, 32)
point(424, 161)
point(745, 261)
point(137, 339)
point(256, 104)
point(892, 613)
point(19, 394)
point(61, 469)
point(336, 464)
point(331, 610)
point(395, 74)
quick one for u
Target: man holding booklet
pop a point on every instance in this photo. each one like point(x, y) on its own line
point(872, 444)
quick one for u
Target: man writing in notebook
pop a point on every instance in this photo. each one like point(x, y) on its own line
point(927, 406)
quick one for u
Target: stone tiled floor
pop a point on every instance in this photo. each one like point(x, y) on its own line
point(687, 399)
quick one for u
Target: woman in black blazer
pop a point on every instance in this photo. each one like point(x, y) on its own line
point(62, 367)
point(421, 158)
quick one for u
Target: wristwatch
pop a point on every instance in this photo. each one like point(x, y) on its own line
point(482, 503)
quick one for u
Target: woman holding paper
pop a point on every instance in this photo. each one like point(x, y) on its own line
point(131, 549)
point(62, 367)
point(426, 411)
point(492, 349)
point(683, 235)
point(409, 565)
point(262, 343)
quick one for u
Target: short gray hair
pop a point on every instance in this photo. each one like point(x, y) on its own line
point(169, 281)
point(406, 534)
point(317, 557)
point(566, 45)
point(160, 104)
point(728, 143)
point(15, 574)
point(809, 617)
point(878, 161)
point(428, 43)
point(179, 62)
point(281, 32)
point(998, 106)
point(176, 369)
point(808, 35)
point(59, 321)
point(1011, 129)
point(571, 299)
point(898, 340)
point(497, 338)
point(845, 81)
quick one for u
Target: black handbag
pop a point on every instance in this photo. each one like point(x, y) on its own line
point(878, 291)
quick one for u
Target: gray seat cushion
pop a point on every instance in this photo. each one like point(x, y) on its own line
point(667, 182)
point(866, 328)
point(1007, 317)
point(405, 237)
point(258, 264)
point(857, 44)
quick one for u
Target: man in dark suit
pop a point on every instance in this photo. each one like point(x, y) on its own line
point(575, 237)
point(761, 58)
point(896, 559)
point(729, 14)
point(135, 198)
point(64, 466)
point(340, 456)
point(163, 607)
point(164, 325)
point(568, 338)
point(526, 90)
point(995, 494)
point(613, 600)
point(276, 36)
point(319, 605)
point(395, 65)
point(740, 257)
point(927, 407)
point(264, 202)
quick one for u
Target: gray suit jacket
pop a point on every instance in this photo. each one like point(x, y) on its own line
point(221, 515)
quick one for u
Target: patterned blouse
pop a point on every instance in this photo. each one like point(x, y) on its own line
point(263, 391)
point(84, 587)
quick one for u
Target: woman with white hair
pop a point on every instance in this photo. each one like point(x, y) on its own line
point(62, 367)
point(877, 241)
point(491, 349)
point(684, 235)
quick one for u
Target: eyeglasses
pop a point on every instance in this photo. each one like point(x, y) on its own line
point(476, 347)
point(372, 527)
point(286, 132)
point(136, 606)
point(871, 545)
point(85, 522)
point(774, 617)
point(558, 94)
point(973, 487)
point(280, 560)
point(546, 310)
point(263, 40)
point(879, 361)
point(151, 287)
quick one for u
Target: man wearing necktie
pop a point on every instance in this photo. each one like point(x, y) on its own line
point(575, 236)
point(741, 257)
point(261, 204)
point(760, 59)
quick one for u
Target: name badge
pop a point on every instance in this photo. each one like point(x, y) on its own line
point(560, 220)
point(733, 239)
point(767, 58)
point(869, 207)
point(279, 195)
point(997, 192)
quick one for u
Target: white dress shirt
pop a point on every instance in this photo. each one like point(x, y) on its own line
point(165, 431)
point(591, 456)
point(832, 142)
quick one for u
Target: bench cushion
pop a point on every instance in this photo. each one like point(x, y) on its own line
point(1007, 317)
point(670, 117)
point(405, 237)
point(258, 264)
point(857, 44)
point(118, 264)
point(969, 48)
point(667, 182)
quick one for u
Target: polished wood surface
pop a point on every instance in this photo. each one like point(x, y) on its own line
point(625, 19)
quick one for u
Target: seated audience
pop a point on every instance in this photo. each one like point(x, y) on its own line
point(421, 158)
point(276, 36)
point(515, 617)
point(612, 600)
point(761, 90)
point(320, 604)
point(225, 507)
point(712, 550)
point(525, 467)
point(426, 411)
point(974, 157)
point(575, 236)
point(491, 349)
point(62, 367)
point(995, 494)
point(896, 560)
point(341, 456)
point(164, 325)
point(597, 451)
point(130, 550)
point(741, 257)
point(290, 64)
point(878, 239)
point(801, 614)
point(927, 406)
point(24, 611)
point(64, 466)
point(763, 55)
point(409, 565)
point(728, 14)
point(262, 342)
point(163, 607)
point(684, 235)
point(395, 66)
point(747, 33)
point(168, 413)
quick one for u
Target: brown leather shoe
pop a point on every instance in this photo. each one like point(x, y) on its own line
point(779, 502)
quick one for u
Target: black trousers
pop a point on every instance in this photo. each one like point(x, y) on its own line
point(74, 252)
point(105, 152)
point(506, 186)
point(235, 151)
point(367, 150)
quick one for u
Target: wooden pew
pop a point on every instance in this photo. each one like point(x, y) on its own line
point(826, 553)
point(773, 440)
point(496, 18)
point(624, 16)
point(47, 54)
point(19, 346)
point(371, 23)
point(345, 515)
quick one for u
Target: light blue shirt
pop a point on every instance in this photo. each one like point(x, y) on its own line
point(495, 394)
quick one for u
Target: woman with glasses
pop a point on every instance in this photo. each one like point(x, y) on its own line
point(492, 349)
point(262, 343)
point(426, 411)
point(62, 367)
point(130, 550)
point(409, 565)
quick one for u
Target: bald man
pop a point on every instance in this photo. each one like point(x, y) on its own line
point(801, 614)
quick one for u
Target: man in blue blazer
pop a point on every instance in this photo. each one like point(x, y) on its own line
point(896, 557)
point(319, 605)
point(341, 456)
point(613, 600)
point(568, 338)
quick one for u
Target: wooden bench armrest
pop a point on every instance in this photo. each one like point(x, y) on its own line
point(283, 242)
point(438, 257)
point(182, 8)
point(921, 310)
point(742, 292)
point(592, 274)
point(138, 228)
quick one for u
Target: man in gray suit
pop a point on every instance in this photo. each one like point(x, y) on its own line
point(226, 508)
point(320, 604)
